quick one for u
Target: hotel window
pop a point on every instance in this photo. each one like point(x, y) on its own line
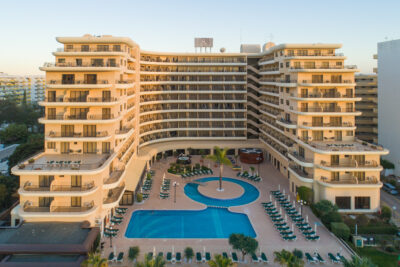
point(79, 96)
point(78, 61)
point(102, 47)
point(51, 145)
point(67, 130)
point(290, 53)
point(336, 78)
point(309, 65)
point(304, 135)
point(349, 133)
point(325, 65)
point(343, 203)
point(317, 52)
point(302, 52)
point(106, 113)
point(297, 65)
point(287, 90)
point(64, 147)
point(287, 64)
point(68, 79)
point(335, 121)
point(127, 198)
point(76, 180)
point(89, 147)
point(349, 107)
point(79, 113)
point(317, 78)
point(45, 180)
point(51, 113)
point(89, 130)
point(112, 62)
point(359, 175)
point(338, 135)
point(281, 65)
point(97, 62)
point(318, 135)
point(45, 201)
point(61, 60)
point(349, 92)
point(334, 176)
point(51, 96)
point(84, 48)
point(90, 79)
point(69, 47)
point(330, 52)
point(117, 48)
point(76, 201)
point(105, 147)
point(302, 152)
point(317, 121)
point(339, 63)
point(362, 203)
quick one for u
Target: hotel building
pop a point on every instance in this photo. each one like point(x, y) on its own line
point(367, 122)
point(112, 108)
point(16, 85)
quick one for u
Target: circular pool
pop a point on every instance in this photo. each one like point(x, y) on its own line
point(249, 195)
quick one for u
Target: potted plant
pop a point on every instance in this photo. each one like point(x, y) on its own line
point(30, 161)
point(139, 197)
point(21, 166)
point(188, 254)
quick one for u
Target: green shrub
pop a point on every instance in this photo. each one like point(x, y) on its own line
point(362, 220)
point(386, 164)
point(148, 177)
point(323, 207)
point(386, 213)
point(305, 194)
point(189, 253)
point(197, 166)
point(133, 253)
point(139, 197)
point(96, 243)
point(340, 230)
point(384, 229)
point(331, 217)
point(298, 253)
point(390, 249)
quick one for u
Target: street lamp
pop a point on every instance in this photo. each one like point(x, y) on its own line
point(394, 211)
point(175, 184)
point(302, 202)
point(258, 159)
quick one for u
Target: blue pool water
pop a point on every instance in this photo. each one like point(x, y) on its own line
point(250, 194)
point(207, 223)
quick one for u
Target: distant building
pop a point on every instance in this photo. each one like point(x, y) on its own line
point(16, 85)
point(367, 123)
point(389, 99)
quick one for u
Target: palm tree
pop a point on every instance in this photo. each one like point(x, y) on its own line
point(150, 262)
point(358, 262)
point(252, 170)
point(221, 159)
point(282, 257)
point(95, 260)
point(220, 261)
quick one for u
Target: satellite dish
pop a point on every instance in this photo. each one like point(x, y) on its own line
point(222, 50)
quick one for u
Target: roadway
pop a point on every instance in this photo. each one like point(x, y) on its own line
point(392, 201)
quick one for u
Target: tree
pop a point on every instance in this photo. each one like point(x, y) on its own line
point(305, 194)
point(221, 159)
point(324, 207)
point(3, 195)
point(189, 253)
point(252, 170)
point(246, 244)
point(95, 260)
point(14, 133)
point(341, 230)
point(358, 262)
point(151, 262)
point(133, 253)
point(220, 261)
point(26, 150)
point(386, 213)
point(288, 259)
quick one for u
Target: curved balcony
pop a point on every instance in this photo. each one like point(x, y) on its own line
point(124, 132)
point(300, 174)
point(113, 197)
point(76, 84)
point(57, 190)
point(350, 165)
point(327, 126)
point(60, 136)
point(89, 101)
point(79, 119)
point(348, 181)
point(286, 123)
point(80, 67)
point(326, 111)
point(56, 210)
point(114, 179)
point(191, 138)
point(302, 161)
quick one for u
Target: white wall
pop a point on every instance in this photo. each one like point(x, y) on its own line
point(389, 99)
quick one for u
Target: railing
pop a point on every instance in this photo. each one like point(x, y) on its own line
point(60, 207)
point(327, 81)
point(350, 180)
point(300, 172)
point(114, 194)
point(300, 158)
point(71, 64)
point(350, 164)
point(95, 134)
point(344, 124)
point(61, 49)
point(193, 60)
point(81, 117)
point(114, 176)
point(123, 130)
point(78, 82)
point(326, 109)
point(315, 55)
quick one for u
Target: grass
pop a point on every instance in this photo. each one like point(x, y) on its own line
point(378, 257)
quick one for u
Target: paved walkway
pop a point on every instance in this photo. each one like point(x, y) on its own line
point(268, 237)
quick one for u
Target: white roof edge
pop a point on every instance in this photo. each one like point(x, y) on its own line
point(94, 39)
point(190, 53)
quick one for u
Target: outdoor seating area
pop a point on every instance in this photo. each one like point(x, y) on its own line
point(246, 175)
point(146, 188)
point(110, 231)
point(196, 173)
point(164, 189)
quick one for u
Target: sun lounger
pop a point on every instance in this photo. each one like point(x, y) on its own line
point(160, 254)
point(332, 258)
point(208, 256)
point(234, 257)
point(169, 256)
point(111, 257)
point(338, 255)
point(198, 257)
point(178, 257)
point(309, 258)
point(319, 258)
point(264, 258)
point(120, 257)
point(225, 255)
point(254, 258)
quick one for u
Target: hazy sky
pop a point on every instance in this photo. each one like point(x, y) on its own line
point(29, 28)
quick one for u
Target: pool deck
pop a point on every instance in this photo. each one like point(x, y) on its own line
point(229, 190)
point(268, 237)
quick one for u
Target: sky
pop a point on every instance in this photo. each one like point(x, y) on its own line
point(29, 28)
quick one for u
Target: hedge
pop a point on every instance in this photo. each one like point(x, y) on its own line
point(376, 229)
point(341, 230)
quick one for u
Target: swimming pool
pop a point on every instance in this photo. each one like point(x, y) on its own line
point(207, 223)
point(250, 194)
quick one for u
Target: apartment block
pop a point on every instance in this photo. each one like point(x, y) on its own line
point(367, 122)
point(111, 108)
point(16, 85)
point(388, 98)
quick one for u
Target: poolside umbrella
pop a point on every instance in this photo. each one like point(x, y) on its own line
point(115, 251)
point(173, 250)
point(292, 227)
point(270, 197)
point(154, 251)
point(283, 190)
point(306, 218)
point(280, 210)
point(288, 198)
point(279, 187)
point(285, 217)
point(315, 230)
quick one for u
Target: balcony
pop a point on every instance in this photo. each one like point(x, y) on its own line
point(114, 49)
point(300, 173)
point(325, 110)
point(314, 55)
point(57, 208)
point(352, 180)
point(74, 82)
point(57, 190)
point(77, 135)
point(63, 117)
point(350, 165)
point(321, 95)
point(300, 160)
point(113, 196)
point(286, 123)
point(313, 126)
point(73, 65)
point(318, 82)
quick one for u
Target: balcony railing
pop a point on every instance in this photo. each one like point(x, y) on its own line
point(313, 124)
point(350, 180)
point(327, 81)
point(300, 171)
point(73, 64)
point(61, 49)
point(114, 176)
point(59, 188)
point(123, 130)
point(94, 134)
point(60, 207)
point(324, 95)
point(350, 164)
point(81, 117)
point(300, 158)
point(326, 109)
point(78, 82)
point(114, 194)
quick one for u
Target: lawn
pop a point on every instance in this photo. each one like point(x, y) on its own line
point(378, 257)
